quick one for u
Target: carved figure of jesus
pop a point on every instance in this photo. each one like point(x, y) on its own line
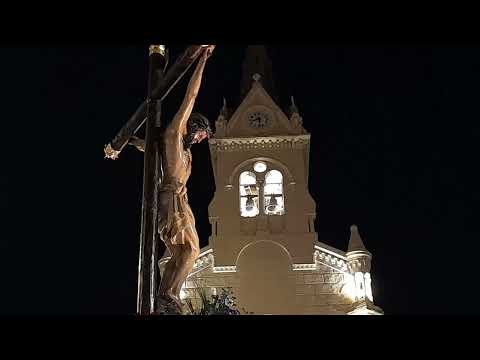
point(176, 223)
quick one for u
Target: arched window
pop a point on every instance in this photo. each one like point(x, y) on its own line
point(273, 200)
point(249, 200)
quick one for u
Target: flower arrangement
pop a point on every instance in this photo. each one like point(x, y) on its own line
point(222, 304)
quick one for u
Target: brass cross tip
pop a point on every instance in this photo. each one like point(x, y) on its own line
point(157, 49)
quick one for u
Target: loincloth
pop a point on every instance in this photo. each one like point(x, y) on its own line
point(175, 214)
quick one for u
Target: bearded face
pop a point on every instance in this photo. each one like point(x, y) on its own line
point(194, 138)
point(198, 129)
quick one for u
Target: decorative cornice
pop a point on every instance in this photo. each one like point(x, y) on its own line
point(330, 250)
point(328, 258)
point(256, 143)
point(320, 256)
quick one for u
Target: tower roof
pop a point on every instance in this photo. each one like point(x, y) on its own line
point(257, 62)
point(355, 243)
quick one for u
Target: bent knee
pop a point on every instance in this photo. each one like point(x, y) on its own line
point(191, 252)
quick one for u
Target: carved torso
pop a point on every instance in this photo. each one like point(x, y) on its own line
point(177, 162)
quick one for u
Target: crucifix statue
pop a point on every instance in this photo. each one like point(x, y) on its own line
point(166, 212)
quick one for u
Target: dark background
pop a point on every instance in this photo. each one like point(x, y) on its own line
point(394, 150)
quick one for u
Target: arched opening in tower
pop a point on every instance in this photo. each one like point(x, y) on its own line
point(267, 282)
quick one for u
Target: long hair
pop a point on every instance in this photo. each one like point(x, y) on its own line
point(196, 122)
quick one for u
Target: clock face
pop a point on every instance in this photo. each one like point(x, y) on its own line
point(258, 119)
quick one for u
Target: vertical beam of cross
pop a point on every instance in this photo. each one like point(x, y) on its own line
point(148, 254)
point(159, 86)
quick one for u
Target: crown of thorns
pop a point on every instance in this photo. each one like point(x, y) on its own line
point(198, 122)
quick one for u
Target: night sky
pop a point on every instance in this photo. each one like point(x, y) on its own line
point(394, 149)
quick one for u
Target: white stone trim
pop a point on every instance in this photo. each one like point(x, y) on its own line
point(206, 252)
point(304, 267)
point(224, 269)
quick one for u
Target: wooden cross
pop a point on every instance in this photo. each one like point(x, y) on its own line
point(159, 85)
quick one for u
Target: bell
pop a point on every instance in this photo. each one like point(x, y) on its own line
point(272, 204)
point(250, 204)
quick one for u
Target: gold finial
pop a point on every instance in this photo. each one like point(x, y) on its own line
point(157, 49)
point(110, 153)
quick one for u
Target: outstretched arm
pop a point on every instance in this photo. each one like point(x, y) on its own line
point(138, 143)
point(179, 122)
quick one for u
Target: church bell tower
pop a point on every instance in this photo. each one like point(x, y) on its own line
point(260, 158)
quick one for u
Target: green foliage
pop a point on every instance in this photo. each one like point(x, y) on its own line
point(223, 304)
